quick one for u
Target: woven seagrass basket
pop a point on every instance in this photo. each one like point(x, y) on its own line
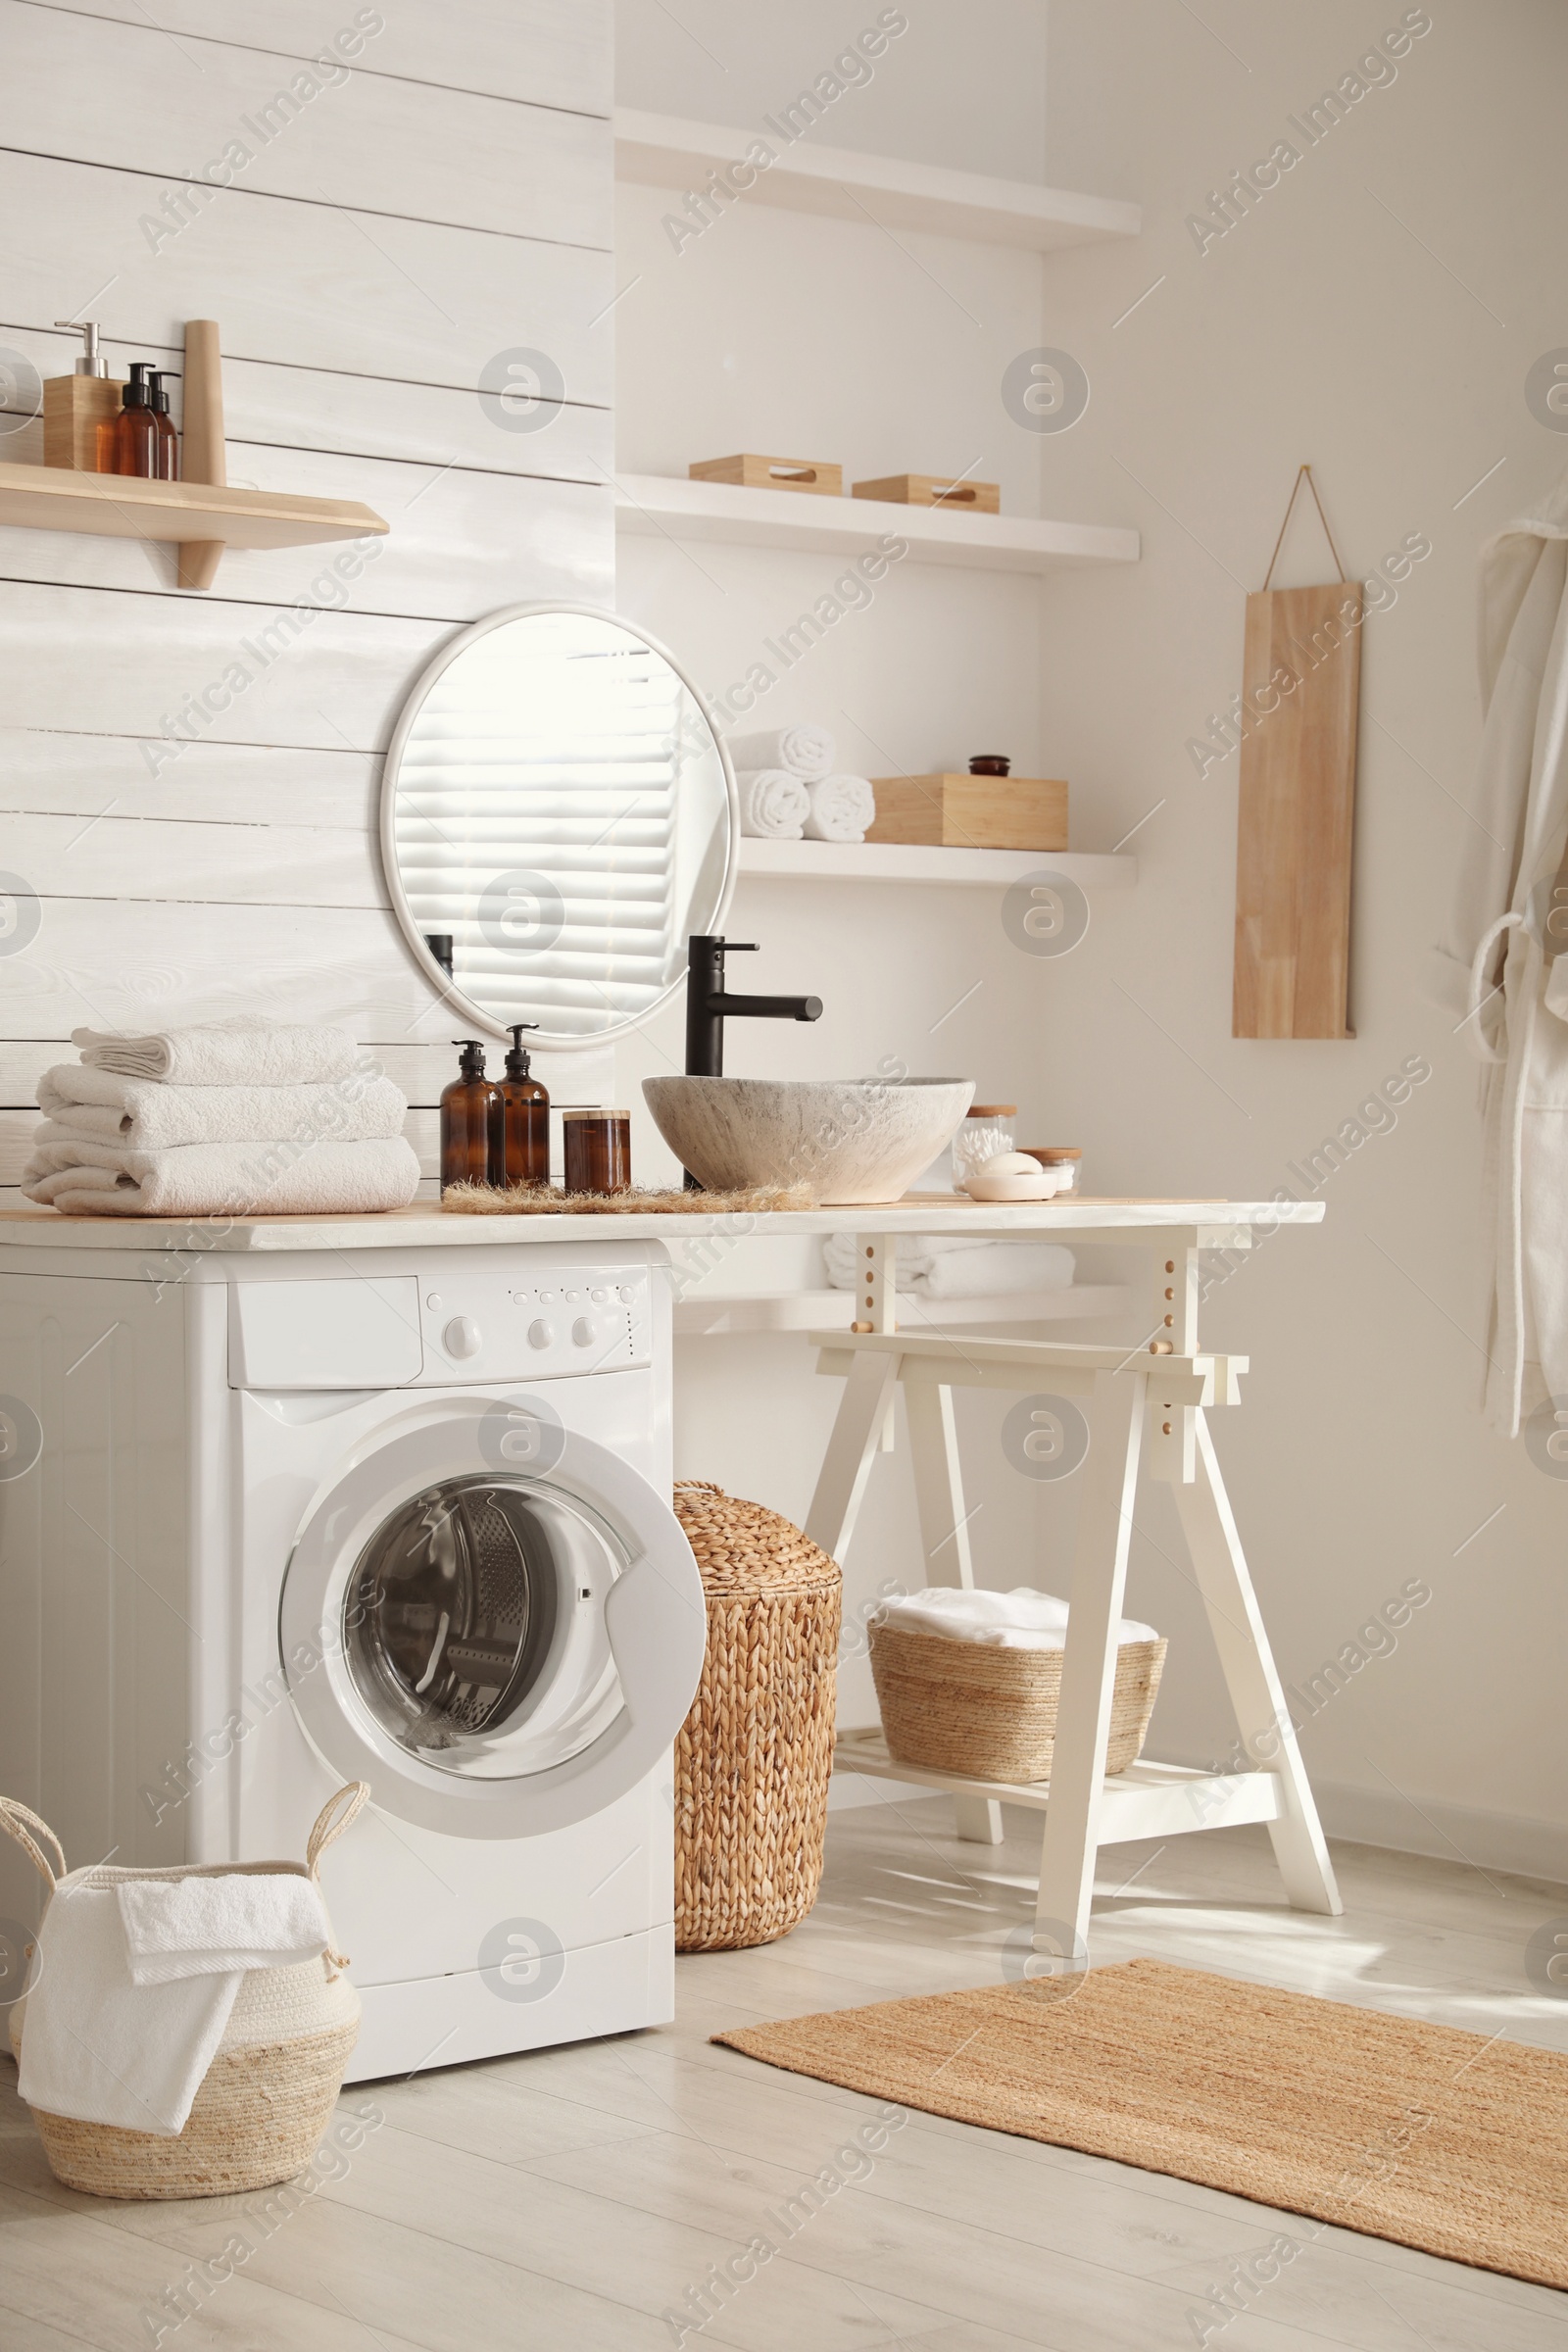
point(971, 1706)
point(754, 1756)
point(266, 2098)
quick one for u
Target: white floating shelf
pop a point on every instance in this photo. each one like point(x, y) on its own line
point(663, 506)
point(719, 1318)
point(664, 150)
point(910, 862)
point(1147, 1800)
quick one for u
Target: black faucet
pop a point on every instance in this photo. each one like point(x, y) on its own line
point(707, 1001)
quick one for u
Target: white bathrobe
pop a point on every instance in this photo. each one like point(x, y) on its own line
point(1504, 932)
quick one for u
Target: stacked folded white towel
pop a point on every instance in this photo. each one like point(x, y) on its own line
point(136, 1981)
point(1022, 1619)
point(235, 1119)
point(940, 1265)
point(789, 789)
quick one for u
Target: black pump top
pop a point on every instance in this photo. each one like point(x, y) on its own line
point(471, 1061)
point(138, 392)
point(160, 397)
point(518, 1053)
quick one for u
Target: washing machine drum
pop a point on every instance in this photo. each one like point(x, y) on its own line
point(497, 1655)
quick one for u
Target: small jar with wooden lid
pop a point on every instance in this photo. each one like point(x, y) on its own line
point(1064, 1162)
point(987, 1130)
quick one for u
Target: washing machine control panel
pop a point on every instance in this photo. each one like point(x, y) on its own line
point(555, 1325)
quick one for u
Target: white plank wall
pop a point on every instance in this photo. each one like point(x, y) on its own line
point(450, 199)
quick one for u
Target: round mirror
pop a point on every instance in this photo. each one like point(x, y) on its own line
point(558, 807)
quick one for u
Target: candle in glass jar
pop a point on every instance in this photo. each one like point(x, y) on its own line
point(598, 1150)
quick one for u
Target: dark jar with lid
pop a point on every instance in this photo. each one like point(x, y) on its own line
point(598, 1150)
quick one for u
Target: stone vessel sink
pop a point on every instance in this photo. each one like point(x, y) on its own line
point(851, 1139)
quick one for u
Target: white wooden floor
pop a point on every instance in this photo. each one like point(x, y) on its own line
point(568, 2199)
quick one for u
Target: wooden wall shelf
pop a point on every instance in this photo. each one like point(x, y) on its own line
point(115, 506)
point(199, 515)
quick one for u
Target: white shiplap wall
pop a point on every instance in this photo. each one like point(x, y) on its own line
point(449, 201)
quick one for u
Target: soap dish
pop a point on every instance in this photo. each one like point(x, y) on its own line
point(1042, 1186)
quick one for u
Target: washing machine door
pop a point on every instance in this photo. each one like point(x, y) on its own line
point(497, 1623)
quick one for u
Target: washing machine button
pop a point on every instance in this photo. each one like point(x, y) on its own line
point(598, 1297)
point(625, 1295)
point(433, 1301)
point(462, 1336)
point(547, 1297)
point(540, 1334)
point(583, 1333)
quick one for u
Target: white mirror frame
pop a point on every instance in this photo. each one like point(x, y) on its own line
point(446, 987)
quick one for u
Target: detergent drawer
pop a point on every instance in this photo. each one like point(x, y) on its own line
point(360, 1333)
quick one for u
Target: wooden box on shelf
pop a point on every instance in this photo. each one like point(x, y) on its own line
point(934, 490)
point(972, 813)
point(772, 473)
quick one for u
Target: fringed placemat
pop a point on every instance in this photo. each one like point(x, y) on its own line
point(542, 1200)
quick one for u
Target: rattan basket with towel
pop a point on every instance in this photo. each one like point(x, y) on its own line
point(989, 1710)
point(268, 2094)
point(754, 1755)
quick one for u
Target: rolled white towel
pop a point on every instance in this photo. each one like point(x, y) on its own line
point(230, 1180)
point(144, 1114)
point(1003, 1266)
point(805, 752)
point(842, 808)
point(240, 1053)
point(774, 804)
point(952, 1265)
point(1022, 1619)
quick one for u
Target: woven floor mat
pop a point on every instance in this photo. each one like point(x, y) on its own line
point(1432, 2137)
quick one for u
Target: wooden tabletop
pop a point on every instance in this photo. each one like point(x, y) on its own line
point(423, 1225)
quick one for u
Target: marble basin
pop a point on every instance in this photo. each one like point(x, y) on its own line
point(851, 1139)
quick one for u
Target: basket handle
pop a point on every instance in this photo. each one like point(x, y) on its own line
point(330, 1823)
point(333, 1819)
point(11, 1818)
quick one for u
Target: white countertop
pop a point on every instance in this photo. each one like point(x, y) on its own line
point(423, 1226)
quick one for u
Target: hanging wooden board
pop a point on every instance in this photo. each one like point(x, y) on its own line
point(1296, 818)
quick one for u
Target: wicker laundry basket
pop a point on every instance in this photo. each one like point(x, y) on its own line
point(268, 2096)
point(972, 1706)
point(753, 1757)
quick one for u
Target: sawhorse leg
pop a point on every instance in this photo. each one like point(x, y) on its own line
point(945, 1540)
point(856, 1441)
point(1089, 1665)
point(1252, 1678)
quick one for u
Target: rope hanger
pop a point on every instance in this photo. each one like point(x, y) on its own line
point(1285, 524)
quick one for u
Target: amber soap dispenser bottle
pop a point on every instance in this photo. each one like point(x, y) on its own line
point(470, 1109)
point(519, 1140)
point(137, 426)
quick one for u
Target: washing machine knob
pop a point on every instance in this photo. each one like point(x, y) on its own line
point(583, 1334)
point(462, 1336)
point(540, 1335)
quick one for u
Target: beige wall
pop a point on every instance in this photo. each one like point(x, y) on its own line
point(1392, 353)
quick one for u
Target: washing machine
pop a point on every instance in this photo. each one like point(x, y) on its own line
point(402, 1515)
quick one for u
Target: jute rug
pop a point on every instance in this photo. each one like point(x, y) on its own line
point(1432, 2137)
